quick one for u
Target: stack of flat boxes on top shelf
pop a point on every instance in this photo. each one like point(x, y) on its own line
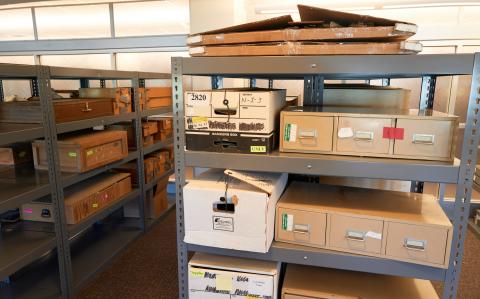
point(246, 211)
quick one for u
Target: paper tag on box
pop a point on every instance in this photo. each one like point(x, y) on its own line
point(200, 122)
point(373, 235)
point(287, 222)
point(223, 282)
point(290, 133)
point(345, 133)
point(259, 287)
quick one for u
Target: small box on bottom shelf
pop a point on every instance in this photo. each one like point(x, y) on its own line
point(155, 205)
point(218, 277)
point(410, 227)
point(83, 199)
point(305, 282)
point(244, 220)
point(84, 152)
point(229, 142)
point(16, 154)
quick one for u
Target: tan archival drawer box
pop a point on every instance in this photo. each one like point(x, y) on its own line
point(350, 233)
point(373, 132)
point(300, 226)
point(305, 282)
point(410, 227)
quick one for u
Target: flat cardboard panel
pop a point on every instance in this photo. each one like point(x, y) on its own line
point(301, 48)
point(272, 23)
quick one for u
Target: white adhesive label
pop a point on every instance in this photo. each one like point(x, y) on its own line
point(260, 287)
point(289, 222)
point(223, 282)
point(194, 39)
point(345, 133)
point(373, 235)
point(200, 122)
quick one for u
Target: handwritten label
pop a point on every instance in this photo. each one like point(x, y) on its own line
point(72, 154)
point(199, 122)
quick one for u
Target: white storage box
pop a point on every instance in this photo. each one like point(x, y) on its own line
point(218, 277)
point(244, 221)
point(254, 111)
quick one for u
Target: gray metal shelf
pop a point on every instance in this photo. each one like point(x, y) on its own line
point(95, 249)
point(313, 70)
point(93, 122)
point(330, 165)
point(17, 71)
point(77, 73)
point(331, 66)
point(150, 76)
point(20, 247)
point(158, 146)
point(155, 111)
point(75, 229)
point(297, 254)
point(12, 132)
point(69, 179)
point(21, 185)
point(154, 182)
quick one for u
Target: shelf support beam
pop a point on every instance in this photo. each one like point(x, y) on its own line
point(464, 187)
point(217, 82)
point(2, 96)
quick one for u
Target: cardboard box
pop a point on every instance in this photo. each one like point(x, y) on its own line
point(163, 134)
point(121, 97)
point(84, 152)
point(305, 282)
point(155, 97)
point(410, 227)
point(253, 111)
point(374, 132)
point(217, 277)
point(244, 220)
point(16, 154)
point(149, 128)
point(83, 199)
point(155, 205)
point(230, 142)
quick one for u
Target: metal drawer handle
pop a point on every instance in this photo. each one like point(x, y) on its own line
point(363, 136)
point(355, 236)
point(87, 108)
point(423, 139)
point(301, 229)
point(307, 134)
point(416, 245)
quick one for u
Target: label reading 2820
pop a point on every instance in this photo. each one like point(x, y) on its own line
point(198, 97)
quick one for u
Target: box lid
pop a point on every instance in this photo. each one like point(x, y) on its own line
point(234, 264)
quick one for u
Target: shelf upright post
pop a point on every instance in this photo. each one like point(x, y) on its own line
point(84, 83)
point(270, 83)
point(217, 82)
point(179, 145)
point(427, 96)
point(464, 186)
point(253, 82)
point(313, 91)
point(34, 87)
point(386, 82)
point(102, 83)
point(54, 176)
point(1, 91)
point(140, 150)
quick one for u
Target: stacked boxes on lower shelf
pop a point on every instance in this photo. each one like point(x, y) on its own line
point(155, 205)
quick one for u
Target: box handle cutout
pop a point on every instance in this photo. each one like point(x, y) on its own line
point(223, 206)
point(225, 111)
point(301, 229)
point(363, 136)
point(225, 144)
point(416, 245)
point(307, 133)
point(426, 139)
point(355, 236)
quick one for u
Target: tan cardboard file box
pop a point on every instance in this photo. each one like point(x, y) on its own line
point(222, 277)
point(403, 226)
point(304, 282)
point(244, 220)
point(374, 132)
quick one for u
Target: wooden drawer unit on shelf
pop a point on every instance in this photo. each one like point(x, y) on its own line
point(403, 226)
point(155, 97)
point(84, 152)
point(120, 98)
point(390, 133)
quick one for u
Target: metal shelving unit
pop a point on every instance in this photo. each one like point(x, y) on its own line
point(316, 69)
point(57, 262)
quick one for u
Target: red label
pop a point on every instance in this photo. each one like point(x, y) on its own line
point(393, 133)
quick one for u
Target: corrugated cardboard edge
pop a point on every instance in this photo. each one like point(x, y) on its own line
point(249, 178)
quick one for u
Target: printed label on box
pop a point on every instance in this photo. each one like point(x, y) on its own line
point(290, 133)
point(199, 122)
point(258, 149)
point(223, 223)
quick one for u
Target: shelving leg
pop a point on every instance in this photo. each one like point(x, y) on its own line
point(313, 91)
point(54, 176)
point(464, 186)
point(179, 141)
